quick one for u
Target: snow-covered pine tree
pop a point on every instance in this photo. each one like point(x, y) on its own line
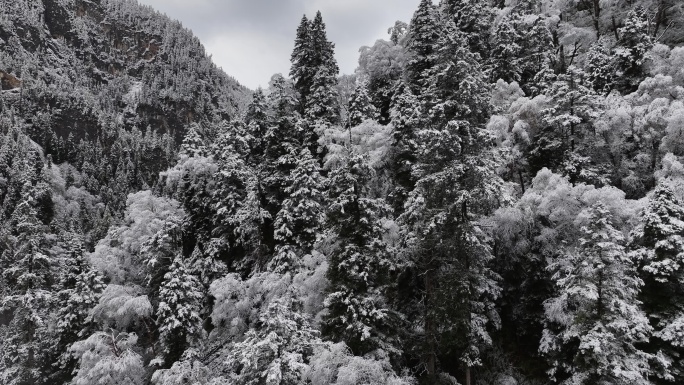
point(421, 45)
point(312, 51)
point(456, 185)
point(600, 67)
point(323, 51)
point(565, 139)
point(449, 251)
point(537, 52)
point(360, 106)
point(257, 122)
point(359, 264)
point(301, 215)
point(505, 59)
point(80, 289)
point(473, 18)
point(193, 145)
point(277, 350)
point(282, 98)
point(456, 87)
point(178, 312)
point(595, 325)
point(659, 247)
point(28, 276)
point(302, 69)
point(321, 105)
point(633, 46)
point(406, 116)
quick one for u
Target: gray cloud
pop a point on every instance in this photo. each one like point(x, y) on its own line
point(253, 39)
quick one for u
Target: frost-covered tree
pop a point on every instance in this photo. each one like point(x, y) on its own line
point(421, 45)
point(276, 351)
point(360, 106)
point(321, 105)
point(27, 278)
point(313, 56)
point(455, 187)
point(257, 122)
point(406, 114)
point(302, 69)
point(659, 248)
point(451, 254)
point(323, 50)
point(456, 85)
point(600, 67)
point(634, 43)
point(566, 138)
point(473, 18)
point(178, 312)
point(359, 264)
point(301, 216)
point(109, 358)
point(506, 52)
point(595, 326)
point(81, 287)
point(193, 145)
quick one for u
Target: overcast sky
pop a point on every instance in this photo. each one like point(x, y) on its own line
point(253, 39)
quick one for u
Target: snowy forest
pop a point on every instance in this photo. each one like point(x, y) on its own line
point(494, 197)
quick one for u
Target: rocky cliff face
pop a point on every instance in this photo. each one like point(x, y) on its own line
point(88, 65)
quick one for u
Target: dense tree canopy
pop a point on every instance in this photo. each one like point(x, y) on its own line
point(493, 197)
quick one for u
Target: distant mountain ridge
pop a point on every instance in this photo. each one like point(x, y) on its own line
point(79, 59)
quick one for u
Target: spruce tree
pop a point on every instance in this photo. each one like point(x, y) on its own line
point(257, 122)
point(473, 18)
point(359, 264)
point(455, 187)
point(407, 115)
point(80, 289)
point(323, 51)
point(322, 103)
point(594, 325)
point(421, 44)
point(634, 43)
point(456, 85)
point(301, 215)
point(360, 106)
point(180, 301)
point(303, 68)
point(659, 247)
point(564, 140)
point(27, 272)
point(506, 52)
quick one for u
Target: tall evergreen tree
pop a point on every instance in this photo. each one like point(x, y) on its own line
point(360, 106)
point(659, 247)
point(303, 67)
point(312, 52)
point(634, 43)
point(80, 289)
point(455, 187)
point(423, 34)
point(595, 325)
point(407, 114)
point(323, 51)
point(322, 104)
point(473, 18)
point(301, 215)
point(565, 139)
point(257, 122)
point(28, 276)
point(180, 299)
point(359, 265)
point(456, 86)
